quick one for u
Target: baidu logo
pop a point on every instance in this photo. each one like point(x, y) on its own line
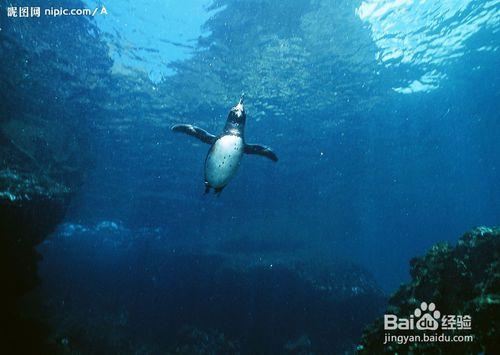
point(431, 322)
point(426, 317)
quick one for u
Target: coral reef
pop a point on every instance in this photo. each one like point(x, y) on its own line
point(460, 280)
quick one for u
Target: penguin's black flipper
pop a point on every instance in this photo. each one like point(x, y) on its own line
point(260, 150)
point(194, 131)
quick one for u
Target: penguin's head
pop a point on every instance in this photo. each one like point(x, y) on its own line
point(236, 119)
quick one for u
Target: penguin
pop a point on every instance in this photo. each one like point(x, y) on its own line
point(227, 149)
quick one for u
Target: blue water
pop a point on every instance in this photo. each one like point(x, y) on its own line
point(385, 121)
point(384, 116)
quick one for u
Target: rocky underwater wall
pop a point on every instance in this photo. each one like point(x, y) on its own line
point(460, 280)
point(159, 296)
point(27, 216)
point(45, 121)
point(144, 291)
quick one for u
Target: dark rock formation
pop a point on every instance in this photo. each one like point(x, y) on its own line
point(460, 280)
point(44, 149)
point(193, 341)
point(28, 213)
point(165, 296)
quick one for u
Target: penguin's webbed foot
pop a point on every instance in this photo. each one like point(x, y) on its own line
point(218, 190)
point(207, 187)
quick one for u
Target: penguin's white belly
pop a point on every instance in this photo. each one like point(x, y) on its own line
point(223, 160)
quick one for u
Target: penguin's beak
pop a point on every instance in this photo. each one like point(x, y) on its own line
point(239, 108)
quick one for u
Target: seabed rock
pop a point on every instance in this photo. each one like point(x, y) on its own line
point(30, 208)
point(193, 301)
point(460, 280)
point(194, 341)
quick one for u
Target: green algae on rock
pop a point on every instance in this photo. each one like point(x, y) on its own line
point(460, 280)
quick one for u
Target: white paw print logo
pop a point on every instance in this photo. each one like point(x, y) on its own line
point(428, 315)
